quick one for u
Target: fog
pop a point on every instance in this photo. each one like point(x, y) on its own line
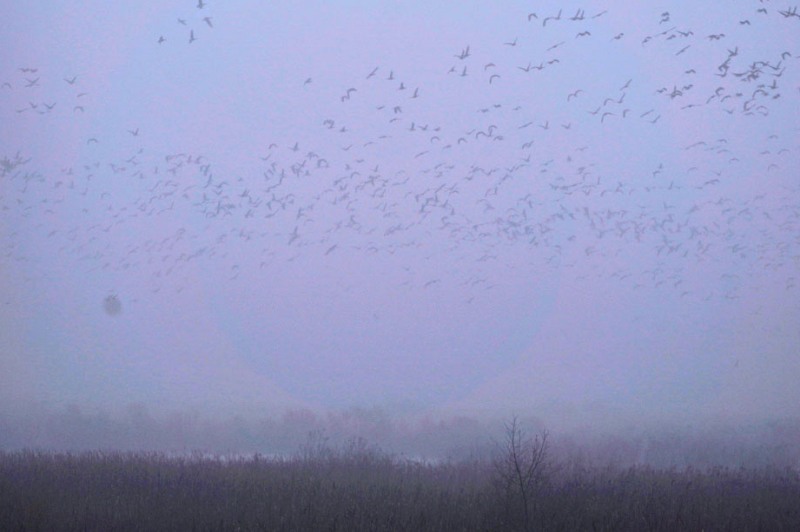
point(255, 220)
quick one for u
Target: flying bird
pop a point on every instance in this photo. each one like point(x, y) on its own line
point(346, 96)
point(557, 17)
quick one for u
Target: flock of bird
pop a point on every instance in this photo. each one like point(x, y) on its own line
point(590, 177)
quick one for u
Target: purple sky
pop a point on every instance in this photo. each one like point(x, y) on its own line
point(450, 209)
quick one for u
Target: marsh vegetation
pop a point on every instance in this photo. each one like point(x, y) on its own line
point(359, 487)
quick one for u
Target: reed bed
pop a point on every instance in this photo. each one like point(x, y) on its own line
point(360, 488)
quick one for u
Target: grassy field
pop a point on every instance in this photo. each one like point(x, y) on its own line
point(359, 488)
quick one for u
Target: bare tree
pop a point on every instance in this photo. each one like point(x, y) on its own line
point(521, 467)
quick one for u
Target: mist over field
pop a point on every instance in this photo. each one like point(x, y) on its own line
point(244, 226)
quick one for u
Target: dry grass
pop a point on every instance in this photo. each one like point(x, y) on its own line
point(358, 488)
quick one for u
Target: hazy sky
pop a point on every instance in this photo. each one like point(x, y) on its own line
point(585, 210)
